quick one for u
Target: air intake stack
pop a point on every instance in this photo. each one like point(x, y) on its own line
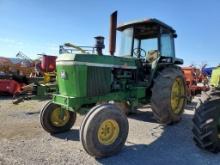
point(99, 44)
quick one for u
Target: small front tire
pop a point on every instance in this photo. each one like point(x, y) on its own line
point(51, 121)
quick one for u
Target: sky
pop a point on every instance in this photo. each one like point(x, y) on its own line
point(40, 26)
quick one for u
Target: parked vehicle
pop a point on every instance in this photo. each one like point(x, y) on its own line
point(146, 71)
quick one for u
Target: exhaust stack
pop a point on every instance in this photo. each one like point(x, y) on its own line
point(113, 27)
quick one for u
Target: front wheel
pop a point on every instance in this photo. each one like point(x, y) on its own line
point(168, 95)
point(104, 130)
point(56, 120)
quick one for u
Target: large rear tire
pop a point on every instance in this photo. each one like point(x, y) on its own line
point(104, 131)
point(168, 95)
point(51, 121)
point(206, 122)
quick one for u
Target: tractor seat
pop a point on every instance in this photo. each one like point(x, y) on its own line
point(151, 60)
point(152, 55)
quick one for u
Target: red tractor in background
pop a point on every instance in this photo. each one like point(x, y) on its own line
point(196, 81)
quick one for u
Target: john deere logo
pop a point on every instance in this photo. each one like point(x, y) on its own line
point(63, 74)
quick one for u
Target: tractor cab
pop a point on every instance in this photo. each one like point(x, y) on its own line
point(148, 40)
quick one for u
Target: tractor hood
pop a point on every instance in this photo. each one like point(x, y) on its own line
point(96, 60)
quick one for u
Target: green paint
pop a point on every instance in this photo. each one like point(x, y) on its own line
point(92, 59)
point(74, 103)
point(43, 90)
point(73, 81)
point(85, 80)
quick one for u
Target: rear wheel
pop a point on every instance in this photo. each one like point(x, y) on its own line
point(206, 123)
point(54, 121)
point(104, 130)
point(168, 95)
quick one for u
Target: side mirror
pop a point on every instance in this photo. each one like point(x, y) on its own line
point(178, 61)
point(174, 35)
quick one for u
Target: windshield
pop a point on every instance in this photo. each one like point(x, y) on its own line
point(142, 46)
point(129, 47)
point(126, 42)
point(149, 44)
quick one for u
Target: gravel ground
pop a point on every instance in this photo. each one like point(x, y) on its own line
point(23, 141)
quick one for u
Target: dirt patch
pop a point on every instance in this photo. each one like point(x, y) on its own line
point(20, 130)
point(23, 141)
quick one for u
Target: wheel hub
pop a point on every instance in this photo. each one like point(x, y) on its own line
point(177, 93)
point(58, 119)
point(108, 132)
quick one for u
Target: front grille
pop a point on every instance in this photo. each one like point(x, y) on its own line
point(98, 81)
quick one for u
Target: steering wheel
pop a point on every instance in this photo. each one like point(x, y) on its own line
point(139, 52)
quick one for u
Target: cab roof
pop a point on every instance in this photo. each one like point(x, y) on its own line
point(152, 22)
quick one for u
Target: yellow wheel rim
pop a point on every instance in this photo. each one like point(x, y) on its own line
point(57, 120)
point(177, 95)
point(108, 132)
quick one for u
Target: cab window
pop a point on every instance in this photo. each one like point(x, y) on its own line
point(167, 46)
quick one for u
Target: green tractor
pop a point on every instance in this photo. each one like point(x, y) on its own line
point(206, 121)
point(107, 86)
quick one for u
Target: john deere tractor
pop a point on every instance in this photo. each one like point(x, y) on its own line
point(206, 121)
point(106, 86)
